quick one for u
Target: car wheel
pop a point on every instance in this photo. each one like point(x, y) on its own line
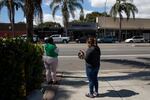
point(113, 41)
point(131, 41)
point(65, 41)
point(142, 41)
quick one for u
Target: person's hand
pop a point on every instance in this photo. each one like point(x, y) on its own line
point(81, 54)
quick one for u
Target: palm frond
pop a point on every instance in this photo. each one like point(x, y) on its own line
point(55, 2)
point(54, 10)
point(72, 9)
point(38, 13)
point(77, 5)
point(2, 3)
point(82, 1)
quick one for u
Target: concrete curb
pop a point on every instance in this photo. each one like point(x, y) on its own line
point(103, 71)
point(141, 45)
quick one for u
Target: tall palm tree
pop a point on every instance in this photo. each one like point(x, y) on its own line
point(32, 9)
point(11, 5)
point(67, 7)
point(120, 7)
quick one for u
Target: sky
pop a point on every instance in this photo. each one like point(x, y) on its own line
point(88, 5)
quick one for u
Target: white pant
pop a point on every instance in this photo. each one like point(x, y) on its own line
point(50, 64)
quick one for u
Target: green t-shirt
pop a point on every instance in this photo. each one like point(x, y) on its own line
point(50, 50)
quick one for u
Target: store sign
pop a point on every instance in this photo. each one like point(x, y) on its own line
point(86, 26)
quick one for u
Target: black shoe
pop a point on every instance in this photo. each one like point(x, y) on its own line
point(50, 82)
point(55, 82)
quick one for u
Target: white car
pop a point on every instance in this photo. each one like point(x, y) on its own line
point(59, 38)
point(135, 39)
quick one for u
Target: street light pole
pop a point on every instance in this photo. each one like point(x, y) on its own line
point(105, 18)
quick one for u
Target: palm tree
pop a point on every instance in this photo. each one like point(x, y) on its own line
point(32, 9)
point(67, 7)
point(11, 6)
point(120, 7)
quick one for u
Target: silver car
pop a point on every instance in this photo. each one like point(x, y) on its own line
point(135, 39)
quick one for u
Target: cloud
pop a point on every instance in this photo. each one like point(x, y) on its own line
point(58, 18)
point(101, 3)
point(46, 2)
point(77, 13)
point(143, 7)
point(49, 17)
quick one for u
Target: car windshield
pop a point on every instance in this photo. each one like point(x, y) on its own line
point(55, 36)
point(137, 37)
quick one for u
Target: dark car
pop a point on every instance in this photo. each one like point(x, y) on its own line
point(81, 39)
point(107, 39)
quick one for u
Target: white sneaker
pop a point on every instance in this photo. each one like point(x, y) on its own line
point(95, 94)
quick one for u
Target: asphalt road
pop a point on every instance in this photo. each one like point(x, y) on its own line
point(114, 56)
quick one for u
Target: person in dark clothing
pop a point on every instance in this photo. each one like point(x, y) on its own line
point(92, 59)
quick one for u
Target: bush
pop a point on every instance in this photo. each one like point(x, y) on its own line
point(21, 68)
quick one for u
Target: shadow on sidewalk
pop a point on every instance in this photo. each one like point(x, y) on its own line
point(73, 83)
point(120, 93)
point(63, 94)
point(142, 75)
point(130, 63)
point(144, 58)
point(49, 92)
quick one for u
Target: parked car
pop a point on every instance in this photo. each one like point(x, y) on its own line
point(35, 37)
point(146, 37)
point(81, 39)
point(59, 38)
point(135, 39)
point(107, 39)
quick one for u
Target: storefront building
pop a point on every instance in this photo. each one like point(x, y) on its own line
point(133, 27)
point(6, 30)
point(82, 29)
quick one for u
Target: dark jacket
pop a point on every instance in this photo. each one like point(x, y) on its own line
point(93, 56)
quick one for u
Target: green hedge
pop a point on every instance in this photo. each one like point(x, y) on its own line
point(21, 68)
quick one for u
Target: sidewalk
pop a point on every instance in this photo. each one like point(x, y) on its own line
point(131, 84)
point(113, 85)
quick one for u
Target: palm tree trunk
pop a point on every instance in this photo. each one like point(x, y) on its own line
point(65, 17)
point(29, 19)
point(12, 26)
point(13, 21)
point(120, 27)
point(65, 22)
point(29, 27)
point(11, 16)
point(66, 31)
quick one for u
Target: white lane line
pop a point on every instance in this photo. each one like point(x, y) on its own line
point(103, 50)
point(103, 56)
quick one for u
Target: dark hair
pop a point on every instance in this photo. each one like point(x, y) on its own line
point(92, 41)
point(49, 40)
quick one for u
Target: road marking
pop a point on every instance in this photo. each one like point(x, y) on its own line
point(112, 70)
point(106, 56)
point(124, 50)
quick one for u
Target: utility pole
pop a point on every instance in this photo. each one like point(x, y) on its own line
point(105, 18)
